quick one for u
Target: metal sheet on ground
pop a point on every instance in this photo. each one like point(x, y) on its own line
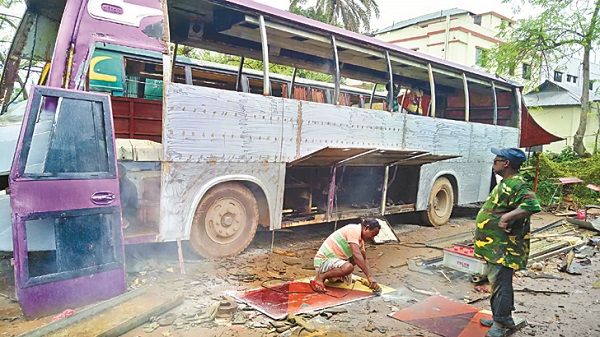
point(386, 234)
point(296, 297)
point(445, 317)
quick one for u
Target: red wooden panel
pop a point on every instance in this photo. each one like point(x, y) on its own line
point(120, 108)
point(148, 109)
point(147, 127)
point(137, 118)
point(121, 125)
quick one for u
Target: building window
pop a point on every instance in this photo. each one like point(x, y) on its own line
point(571, 78)
point(511, 70)
point(558, 76)
point(526, 71)
point(477, 20)
point(480, 56)
point(592, 84)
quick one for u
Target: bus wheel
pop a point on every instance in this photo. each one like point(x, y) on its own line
point(225, 221)
point(441, 202)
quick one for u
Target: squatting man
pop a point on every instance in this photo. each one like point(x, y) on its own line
point(343, 250)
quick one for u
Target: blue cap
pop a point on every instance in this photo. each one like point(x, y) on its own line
point(514, 155)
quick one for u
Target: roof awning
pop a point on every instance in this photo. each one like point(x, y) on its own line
point(331, 156)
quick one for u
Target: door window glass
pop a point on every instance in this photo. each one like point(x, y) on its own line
point(83, 242)
point(68, 137)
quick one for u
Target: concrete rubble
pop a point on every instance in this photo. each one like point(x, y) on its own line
point(415, 270)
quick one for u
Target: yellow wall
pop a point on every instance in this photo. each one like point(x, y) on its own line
point(429, 37)
point(563, 122)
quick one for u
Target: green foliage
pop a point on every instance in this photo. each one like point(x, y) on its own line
point(567, 154)
point(310, 12)
point(563, 28)
point(564, 164)
point(354, 15)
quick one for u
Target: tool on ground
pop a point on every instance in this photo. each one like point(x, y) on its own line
point(377, 291)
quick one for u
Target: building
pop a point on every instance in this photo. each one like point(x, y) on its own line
point(557, 108)
point(455, 34)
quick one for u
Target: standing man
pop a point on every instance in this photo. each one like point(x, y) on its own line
point(342, 250)
point(502, 236)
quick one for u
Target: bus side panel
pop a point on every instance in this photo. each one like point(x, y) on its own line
point(213, 136)
point(314, 126)
point(186, 183)
point(472, 170)
point(218, 126)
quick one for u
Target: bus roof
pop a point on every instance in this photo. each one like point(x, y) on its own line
point(230, 69)
point(323, 28)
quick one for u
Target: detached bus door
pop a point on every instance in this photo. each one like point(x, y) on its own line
point(64, 183)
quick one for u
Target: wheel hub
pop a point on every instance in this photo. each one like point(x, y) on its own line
point(224, 220)
point(440, 203)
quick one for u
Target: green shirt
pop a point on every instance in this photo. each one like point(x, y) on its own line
point(493, 243)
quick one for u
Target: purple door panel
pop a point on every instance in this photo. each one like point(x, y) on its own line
point(64, 177)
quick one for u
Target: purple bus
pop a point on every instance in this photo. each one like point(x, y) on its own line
point(212, 157)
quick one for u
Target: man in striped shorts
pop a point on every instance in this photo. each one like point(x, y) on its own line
point(341, 251)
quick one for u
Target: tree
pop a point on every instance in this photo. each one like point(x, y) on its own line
point(349, 14)
point(310, 12)
point(563, 28)
point(8, 27)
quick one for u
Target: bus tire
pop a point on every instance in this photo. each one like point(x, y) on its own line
point(225, 221)
point(440, 204)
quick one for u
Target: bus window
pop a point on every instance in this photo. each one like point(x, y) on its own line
point(106, 72)
point(143, 79)
point(278, 88)
point(213, 79)
point(318, 95)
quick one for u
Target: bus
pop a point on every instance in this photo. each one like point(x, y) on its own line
point(210, 156)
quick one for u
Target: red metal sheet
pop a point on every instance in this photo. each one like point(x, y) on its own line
point(532, 134)
point(444, 317)
point(297, 297)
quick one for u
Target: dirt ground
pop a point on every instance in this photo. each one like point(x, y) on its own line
point(573, 314)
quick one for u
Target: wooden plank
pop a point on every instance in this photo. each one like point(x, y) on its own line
point(83, 314)
point(117, 320)
point(140, 319)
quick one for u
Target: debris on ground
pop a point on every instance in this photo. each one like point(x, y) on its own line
point(373, 327)
point(64, 314)
point(291, 261)
point(244, 277)
point(545, 292)
point(283, 252)
point(420, 291)
point(207, 316)
point(167, 319)
point(150, 327)
point(299, 320)
point(572, 265)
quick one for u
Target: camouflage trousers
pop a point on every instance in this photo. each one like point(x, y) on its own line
point(502, 300)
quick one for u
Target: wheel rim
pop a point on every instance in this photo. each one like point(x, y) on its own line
point(225, 219)
point(441, 202)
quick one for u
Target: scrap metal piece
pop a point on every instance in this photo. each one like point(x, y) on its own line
point(386, 234)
